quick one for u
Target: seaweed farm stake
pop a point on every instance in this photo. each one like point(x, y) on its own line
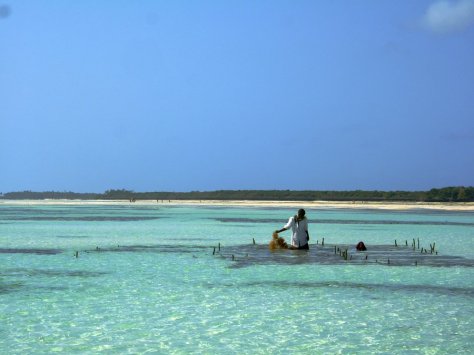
point(396, 243)
point(219, 246)
point(214, 251)
point(322, 243)
point(253, 241)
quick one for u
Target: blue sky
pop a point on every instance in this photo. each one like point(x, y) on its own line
point(208, 95)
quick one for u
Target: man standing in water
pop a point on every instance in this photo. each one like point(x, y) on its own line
point(299, 227)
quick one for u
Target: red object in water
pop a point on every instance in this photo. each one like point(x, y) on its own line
point(361, 246)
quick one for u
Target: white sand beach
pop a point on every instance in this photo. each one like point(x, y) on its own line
point(467, 206)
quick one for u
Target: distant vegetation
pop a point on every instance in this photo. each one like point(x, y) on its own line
point(447, 194)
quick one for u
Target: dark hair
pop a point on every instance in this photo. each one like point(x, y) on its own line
point(301, 212)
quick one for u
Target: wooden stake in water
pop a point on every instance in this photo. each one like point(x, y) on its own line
point(76, 254)
point(214, 251)
point(253, 241)
point(396, 243)
point(219, 247)
point(418, 243)
point(322, 243)
point(233, 257)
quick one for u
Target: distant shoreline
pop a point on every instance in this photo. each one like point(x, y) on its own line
point(396, 206)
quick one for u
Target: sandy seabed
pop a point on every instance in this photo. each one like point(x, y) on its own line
point(458, 206)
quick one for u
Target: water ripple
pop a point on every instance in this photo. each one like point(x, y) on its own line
point(466, 291)
point(347, 221)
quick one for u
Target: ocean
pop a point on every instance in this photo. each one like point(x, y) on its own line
point(179, 279)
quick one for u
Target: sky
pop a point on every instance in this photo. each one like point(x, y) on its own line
point(236, 94)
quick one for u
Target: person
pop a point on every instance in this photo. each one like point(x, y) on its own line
point(299, 227)
point(361, 246)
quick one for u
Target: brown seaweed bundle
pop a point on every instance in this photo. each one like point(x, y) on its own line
point(277, 242)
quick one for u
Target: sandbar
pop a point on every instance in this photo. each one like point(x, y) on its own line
point(385, 205)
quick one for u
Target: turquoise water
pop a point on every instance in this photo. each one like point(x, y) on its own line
point(154, 285)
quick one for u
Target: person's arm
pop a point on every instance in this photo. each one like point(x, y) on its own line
point(287, 226)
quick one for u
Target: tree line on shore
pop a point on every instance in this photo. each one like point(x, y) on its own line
point(446, 194)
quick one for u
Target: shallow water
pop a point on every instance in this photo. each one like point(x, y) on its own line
point(146, 279)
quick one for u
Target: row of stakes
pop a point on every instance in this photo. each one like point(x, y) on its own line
point(219, 249)
point(76, 253)
point(416, 245)
point(343, 253)
point(346, 256)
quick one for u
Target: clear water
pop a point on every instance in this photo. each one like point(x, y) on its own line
point(172, 295)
